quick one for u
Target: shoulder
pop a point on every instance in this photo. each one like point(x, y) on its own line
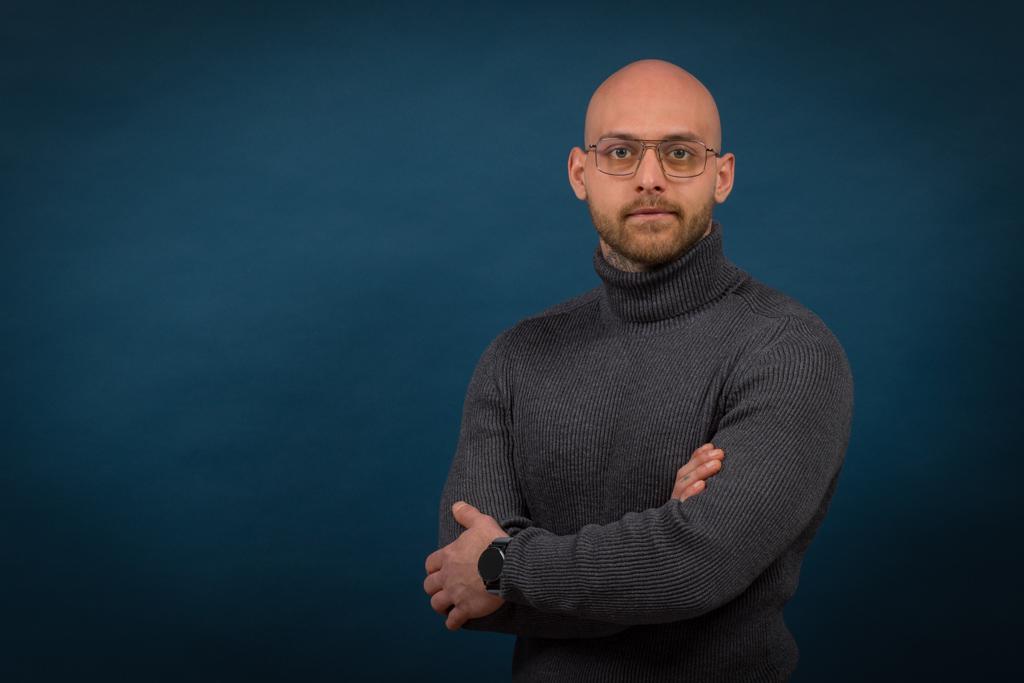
point(779, 319)
point(577, 305)
point(547, 326)
point(535, 337)
point(790, 343)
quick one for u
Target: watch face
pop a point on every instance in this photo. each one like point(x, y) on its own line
point(490, 564)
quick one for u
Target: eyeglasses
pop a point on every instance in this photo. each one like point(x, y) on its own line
point(678, 158)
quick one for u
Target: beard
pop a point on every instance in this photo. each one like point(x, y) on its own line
point(647, 243)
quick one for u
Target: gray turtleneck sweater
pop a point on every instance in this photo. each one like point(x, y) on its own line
point(574, 425)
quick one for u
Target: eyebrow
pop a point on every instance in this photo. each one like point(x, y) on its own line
point(678, 135)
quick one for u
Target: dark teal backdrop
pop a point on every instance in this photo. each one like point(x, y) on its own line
point(251, 254)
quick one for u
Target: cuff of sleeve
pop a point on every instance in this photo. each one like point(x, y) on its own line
point(530, 570)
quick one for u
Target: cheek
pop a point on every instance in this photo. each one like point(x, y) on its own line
point(608, 213)
point(696, 195)
point(610, 201)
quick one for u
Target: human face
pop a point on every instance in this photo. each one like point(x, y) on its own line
point(641, 241)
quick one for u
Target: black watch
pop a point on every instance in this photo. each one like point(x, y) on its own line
point(491, 562)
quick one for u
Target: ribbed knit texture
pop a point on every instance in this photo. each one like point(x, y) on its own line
point(574, 425)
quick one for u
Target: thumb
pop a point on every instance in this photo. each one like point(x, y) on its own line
point(465, 514)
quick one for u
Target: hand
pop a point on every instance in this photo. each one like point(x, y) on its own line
point(453, 580)
point(705, 462)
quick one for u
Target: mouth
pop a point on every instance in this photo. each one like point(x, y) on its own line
point(650, 214)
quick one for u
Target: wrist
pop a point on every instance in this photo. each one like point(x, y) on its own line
point(491, 563)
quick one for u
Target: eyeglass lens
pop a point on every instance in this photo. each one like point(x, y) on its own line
point(680, 158)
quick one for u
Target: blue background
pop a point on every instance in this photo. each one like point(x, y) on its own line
point(251, 254)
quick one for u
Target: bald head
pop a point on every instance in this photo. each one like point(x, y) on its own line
point(652, 94)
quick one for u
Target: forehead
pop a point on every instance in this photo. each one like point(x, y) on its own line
point(651, 113)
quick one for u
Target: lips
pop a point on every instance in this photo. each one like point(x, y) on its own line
point(651, 210)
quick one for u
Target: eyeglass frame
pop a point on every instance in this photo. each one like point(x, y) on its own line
point(657, 151)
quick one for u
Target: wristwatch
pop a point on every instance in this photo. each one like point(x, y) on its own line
point(491, 562)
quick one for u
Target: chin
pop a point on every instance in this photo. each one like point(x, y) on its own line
point(650, 252)
point(664, 244)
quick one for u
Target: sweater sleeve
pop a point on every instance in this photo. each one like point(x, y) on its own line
point(784, 427)
point(482, 474)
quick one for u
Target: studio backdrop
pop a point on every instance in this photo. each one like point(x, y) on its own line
point(252, 252)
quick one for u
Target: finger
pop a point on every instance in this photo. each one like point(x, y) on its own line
point(702, 471)
point(435, 560)
point(699, 465)
point(433, 583)
point(684, 492)
point(709, 454)
point(441, 603)
point(703, 450)
point(704, 454)
point(700, 474)
point(456, 618)
point(465, 514)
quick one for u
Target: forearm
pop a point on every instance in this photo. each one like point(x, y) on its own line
point(512, 618)
point(661, 565)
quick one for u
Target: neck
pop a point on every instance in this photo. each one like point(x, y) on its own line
point(698, 276)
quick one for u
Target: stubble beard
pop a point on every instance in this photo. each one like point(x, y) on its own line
point(643, 245)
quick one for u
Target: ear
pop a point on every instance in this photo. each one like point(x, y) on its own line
point(576, 167)
point(723, 179)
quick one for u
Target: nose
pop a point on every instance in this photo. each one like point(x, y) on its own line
point(650, 176)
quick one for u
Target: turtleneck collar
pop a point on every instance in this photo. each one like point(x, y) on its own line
point(698, 276)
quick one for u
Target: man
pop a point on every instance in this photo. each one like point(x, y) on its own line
point(561, 493)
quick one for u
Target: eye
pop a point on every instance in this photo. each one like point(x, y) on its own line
point(614, 152)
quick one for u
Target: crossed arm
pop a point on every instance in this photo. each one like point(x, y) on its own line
point(458, 593)
point(786, 427)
